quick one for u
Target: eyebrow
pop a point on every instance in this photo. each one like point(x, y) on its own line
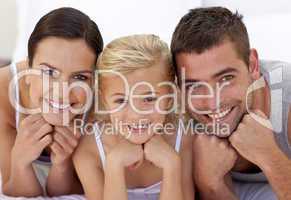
point(83, 71)
point(224, 71)
point(48, 65)
point(217, 74)
point(77, 72)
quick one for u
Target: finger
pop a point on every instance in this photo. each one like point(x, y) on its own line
point(136, 165)
point(63, 143)
point(31, 119)
point(260, 113)
point(45, 141)
point(56, 148)
point(44, 130)
point(76, 131)
point(70, 138)
point(37, 125)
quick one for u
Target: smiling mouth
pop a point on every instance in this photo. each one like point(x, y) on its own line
point(138, 128)
point(57, 105)
point(221, 115)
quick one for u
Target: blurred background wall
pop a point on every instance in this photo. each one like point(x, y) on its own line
point(268, 22)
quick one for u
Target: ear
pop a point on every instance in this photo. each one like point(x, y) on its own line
point(254, 67)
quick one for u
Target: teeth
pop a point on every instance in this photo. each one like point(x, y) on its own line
point(59, 106)
point(220, 115)
point(140, 126)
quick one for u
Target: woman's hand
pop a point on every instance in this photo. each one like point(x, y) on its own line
point(32, 138)
point(62, 179)
point(65, 141)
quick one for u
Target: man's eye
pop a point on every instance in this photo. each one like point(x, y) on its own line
point(150, 99)
point(226, 78)
point(81, 77)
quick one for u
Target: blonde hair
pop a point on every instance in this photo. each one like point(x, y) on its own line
point(130, 53)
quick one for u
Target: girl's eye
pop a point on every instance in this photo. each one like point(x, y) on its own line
point(120, 101)
point(227, 78)
point(81, 77)
point(150, 99)
point(193, 88)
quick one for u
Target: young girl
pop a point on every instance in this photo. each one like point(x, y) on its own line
point(133, 155)
point(36, 149)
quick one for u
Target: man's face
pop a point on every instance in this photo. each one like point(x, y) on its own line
point(221, 78)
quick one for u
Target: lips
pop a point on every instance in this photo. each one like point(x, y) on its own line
point(222, 114)
point(58, 105)
point(138, 128)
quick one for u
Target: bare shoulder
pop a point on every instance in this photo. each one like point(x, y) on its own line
point(7, 111)
point(6, 108)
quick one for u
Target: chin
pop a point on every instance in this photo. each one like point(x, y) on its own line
point(56, 119)
point(139, 139)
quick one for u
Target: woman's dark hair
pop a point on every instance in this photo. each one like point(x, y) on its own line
point(67, 23)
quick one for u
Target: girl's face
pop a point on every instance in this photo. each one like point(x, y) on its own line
point(62, 62)
point(141, 116)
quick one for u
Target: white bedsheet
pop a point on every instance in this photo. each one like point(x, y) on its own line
point(66, 197)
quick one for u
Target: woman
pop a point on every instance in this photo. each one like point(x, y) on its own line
point(62, 50)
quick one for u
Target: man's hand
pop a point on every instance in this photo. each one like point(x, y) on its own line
point(253, 141)
point(213, 159)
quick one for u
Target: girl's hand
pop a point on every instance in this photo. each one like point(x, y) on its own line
point(64, 144)
point(126, 154)
point(32, 138)
point(160, 153)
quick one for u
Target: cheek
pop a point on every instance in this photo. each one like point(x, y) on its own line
point(116, 117)
point(35, 89)
point(80, 95)
point(157, 118)
point(234, 91)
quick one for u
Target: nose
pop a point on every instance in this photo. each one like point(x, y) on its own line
point(207, 101)
point(135, 112)
point(59, 88)
point(212, 103)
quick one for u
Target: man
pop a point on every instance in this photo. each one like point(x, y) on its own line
point(227, 85)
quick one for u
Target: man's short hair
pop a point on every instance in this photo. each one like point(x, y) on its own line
point(204, 28)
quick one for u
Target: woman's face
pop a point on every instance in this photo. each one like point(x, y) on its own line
point(141, 115)
point(62, 62)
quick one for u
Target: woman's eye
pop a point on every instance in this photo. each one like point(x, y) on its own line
point(81, 77)
point(227, 78)
point(49, 72)
point(150, 99)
